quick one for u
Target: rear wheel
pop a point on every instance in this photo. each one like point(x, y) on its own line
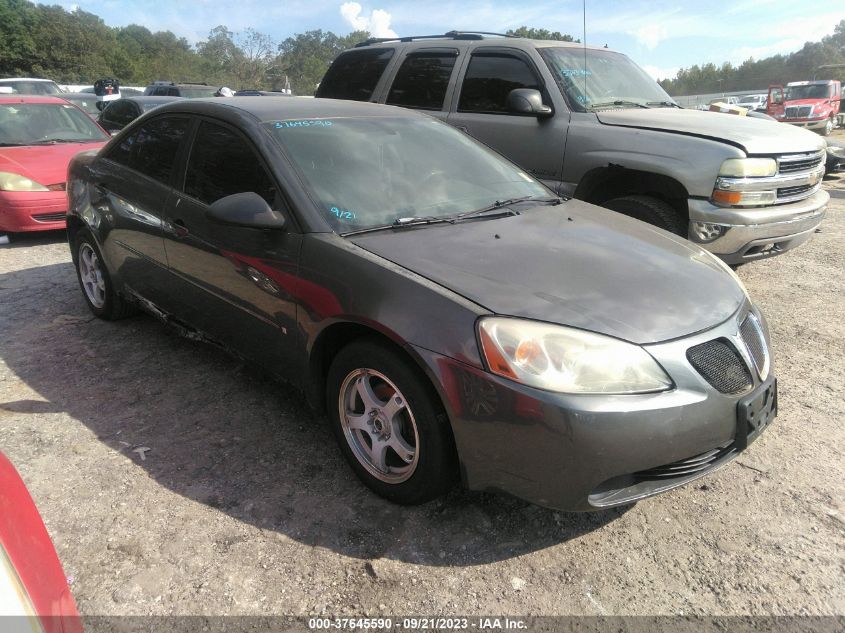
point(95, 282)
point(649, 210)
point(389, 423)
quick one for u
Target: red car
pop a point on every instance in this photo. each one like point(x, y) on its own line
point(32, 583)
point(38, 137)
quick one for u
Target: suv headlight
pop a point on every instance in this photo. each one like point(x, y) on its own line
point(567, 360)
point(16, 182)
point(749, 167)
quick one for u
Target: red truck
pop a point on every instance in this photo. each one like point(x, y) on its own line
point(811, 104)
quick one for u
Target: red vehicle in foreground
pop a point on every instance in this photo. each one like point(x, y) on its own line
point(810, 104)
point(34, 592)
point(38, 137)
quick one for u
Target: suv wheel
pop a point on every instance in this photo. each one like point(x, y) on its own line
point(828, 127)
point(650, 210)
point(389, 423)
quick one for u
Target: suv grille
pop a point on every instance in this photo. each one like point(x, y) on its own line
point(720, 365)
point(791, 163)
point(788, 192)
point(798, 112)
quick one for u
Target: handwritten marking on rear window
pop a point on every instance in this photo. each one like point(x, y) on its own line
point(303, 123)
point(575, 72)
point(343, 214)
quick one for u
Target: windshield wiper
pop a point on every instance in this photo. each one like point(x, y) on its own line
point(501, 206)
point(401, 223)
point(56, 141)
point(12, 144)
point(619, 102)
point(665, 104)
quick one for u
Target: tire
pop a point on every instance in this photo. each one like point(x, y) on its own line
point(650, 210)
point(409, 422)
point(95, 282)
point(828, 127)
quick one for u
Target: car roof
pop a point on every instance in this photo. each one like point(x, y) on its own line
point(150, 99)
point(31, 99)
point(26, 79)
point(79, 95)
point(287, 107)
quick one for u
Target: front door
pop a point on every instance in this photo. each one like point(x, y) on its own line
point(774, 105)
point(536, 145)
point(236, 284)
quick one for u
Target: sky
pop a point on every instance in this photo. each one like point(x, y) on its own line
point(661, 36)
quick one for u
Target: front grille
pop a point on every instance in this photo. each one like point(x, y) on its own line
point(49, 217)
point(789, 164)
point(788, 192)
point(752, 336)
point(720, 365)
point(798, 112)
point(686, 467)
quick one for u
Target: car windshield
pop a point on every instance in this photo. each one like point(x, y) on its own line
point(88, 104)
point(371, 171)
point(197, 93)
point(750, 100)
point(46, 123)
point(609, 80)
point(817, 91)
point(25, 87)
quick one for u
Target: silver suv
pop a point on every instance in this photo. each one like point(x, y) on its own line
point(593, 125)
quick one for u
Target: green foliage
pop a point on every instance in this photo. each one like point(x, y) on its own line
point(754, 75)
point(540, 34)
point(77, 47)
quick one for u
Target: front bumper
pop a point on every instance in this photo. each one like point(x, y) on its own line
point(582, 452)
point(22, 211)
point(810, 124)
point(754, 233)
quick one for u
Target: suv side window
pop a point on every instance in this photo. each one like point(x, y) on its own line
point(422, 80)
point(223, 163)
point(490, 78)
point(119, 112)
point(152, 150)
point(354, 75)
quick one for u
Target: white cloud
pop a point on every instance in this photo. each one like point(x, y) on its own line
point(657, 72)
point(378, 23)
point(650, 35)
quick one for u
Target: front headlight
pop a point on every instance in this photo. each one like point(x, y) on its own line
point(567, 360)
point(749, 167)
point(16, 182)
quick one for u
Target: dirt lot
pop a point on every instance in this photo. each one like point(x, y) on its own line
point(175, 480)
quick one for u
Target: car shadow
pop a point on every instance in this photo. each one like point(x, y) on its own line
point(35, 238)
point(221, 433)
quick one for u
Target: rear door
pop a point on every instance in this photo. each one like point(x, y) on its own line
point(535, 144)
point(237, 284)
point(357, 75)
point(424, 81)
point(134, 181)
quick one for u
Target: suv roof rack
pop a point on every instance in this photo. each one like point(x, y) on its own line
point(450, 35)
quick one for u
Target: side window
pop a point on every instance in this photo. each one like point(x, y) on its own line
point(422, 81)
point(122, 153)
point(489, 79)
point(223, 163)
point(171, 92)
point(156, 146)
point(354, 75)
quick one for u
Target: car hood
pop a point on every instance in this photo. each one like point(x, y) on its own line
point(45, 164)
point(755, 136)
point(573, 264)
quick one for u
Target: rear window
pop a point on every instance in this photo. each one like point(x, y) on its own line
point(354, 75)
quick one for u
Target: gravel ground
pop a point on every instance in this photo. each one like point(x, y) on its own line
point(175, 480)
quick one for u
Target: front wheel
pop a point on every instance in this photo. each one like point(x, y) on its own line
point(828, 127)
point(95, 282)
point(390, 424)
point(650, 210)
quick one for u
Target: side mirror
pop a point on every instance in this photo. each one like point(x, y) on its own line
point(101, 105)
point(529, 102)
point(246, 209)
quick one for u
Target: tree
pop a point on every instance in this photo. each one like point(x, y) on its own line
point(540, 34)
point(304, 57)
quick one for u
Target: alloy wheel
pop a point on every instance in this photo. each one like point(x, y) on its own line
point(91, 274)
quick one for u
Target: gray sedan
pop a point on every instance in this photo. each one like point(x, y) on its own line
point(453, 318)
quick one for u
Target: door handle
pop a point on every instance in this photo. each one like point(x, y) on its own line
point(179, 229)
